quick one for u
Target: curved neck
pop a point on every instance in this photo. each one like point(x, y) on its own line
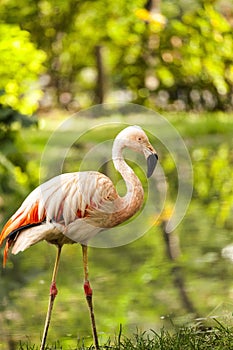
point(132, 201)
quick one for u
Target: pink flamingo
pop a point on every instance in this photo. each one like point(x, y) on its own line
point(74, 207)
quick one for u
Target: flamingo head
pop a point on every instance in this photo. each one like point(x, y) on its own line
point(135, 138)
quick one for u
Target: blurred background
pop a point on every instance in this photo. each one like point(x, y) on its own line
point(174, 57)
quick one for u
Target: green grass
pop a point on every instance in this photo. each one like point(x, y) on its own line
point(219, 337)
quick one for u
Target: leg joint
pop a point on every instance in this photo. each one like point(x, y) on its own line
point(53, 290)
point(87, 289)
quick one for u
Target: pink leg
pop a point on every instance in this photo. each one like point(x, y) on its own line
point(87, 288)
point(52, 296)
point(53, 290)
point(88, 293)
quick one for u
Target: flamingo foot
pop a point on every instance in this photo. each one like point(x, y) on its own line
point(53, 290)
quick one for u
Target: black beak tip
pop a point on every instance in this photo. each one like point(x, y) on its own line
point(151, 164)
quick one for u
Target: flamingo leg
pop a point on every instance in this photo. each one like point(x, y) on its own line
point(52, 296)
point(88, 293)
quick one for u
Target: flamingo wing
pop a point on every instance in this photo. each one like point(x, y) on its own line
point(57, 207)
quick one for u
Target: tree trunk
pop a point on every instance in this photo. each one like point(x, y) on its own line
point(173, 253)
point(100, 80)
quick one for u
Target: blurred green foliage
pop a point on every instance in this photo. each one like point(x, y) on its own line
point(214, 183)
point(15, 175)
point(194, 60)
point(17, 178)
point(177, 57)
point(20, 66)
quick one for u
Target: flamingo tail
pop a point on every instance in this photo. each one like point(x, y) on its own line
point(26, 236)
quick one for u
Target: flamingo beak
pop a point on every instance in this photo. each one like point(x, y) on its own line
point(151, 163)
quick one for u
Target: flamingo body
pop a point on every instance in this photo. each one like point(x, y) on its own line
point(65, 206)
